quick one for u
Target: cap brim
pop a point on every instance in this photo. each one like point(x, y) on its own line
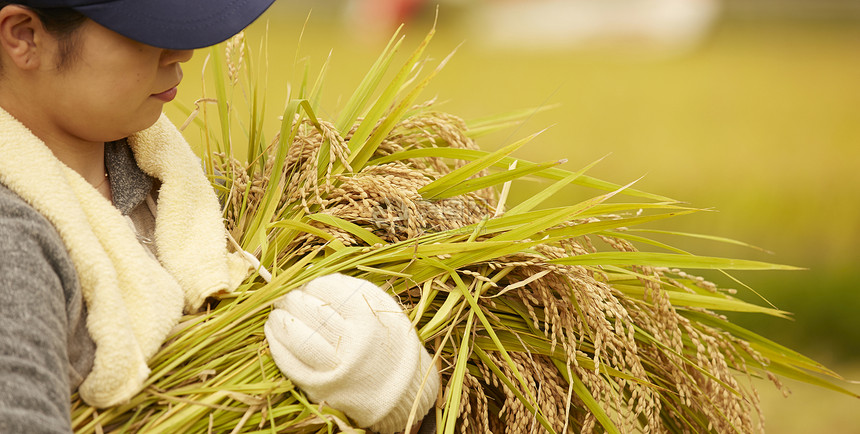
point(176, 24)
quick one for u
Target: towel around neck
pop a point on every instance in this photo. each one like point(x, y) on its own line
point(133, 300)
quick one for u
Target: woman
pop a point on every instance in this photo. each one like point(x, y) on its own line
point(109, 230)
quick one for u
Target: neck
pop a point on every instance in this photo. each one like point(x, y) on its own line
point(88, 159)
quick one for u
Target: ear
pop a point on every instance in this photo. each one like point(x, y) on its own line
point(21, 36)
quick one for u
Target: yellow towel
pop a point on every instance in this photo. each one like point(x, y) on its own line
point(133, 301)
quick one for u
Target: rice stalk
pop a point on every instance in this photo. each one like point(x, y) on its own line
point(542, 320)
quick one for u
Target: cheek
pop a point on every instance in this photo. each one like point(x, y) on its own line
point(116, 105)
point(106, 113)
point(106, 94)
point(131, 87)
point(127, 75)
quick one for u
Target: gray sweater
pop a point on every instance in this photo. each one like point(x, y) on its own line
point(45, 349)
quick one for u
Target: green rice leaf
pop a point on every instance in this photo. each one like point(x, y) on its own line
point(361, 97)
point(487, 181)
point(361, 154)
point(604, 209)
point(551, 173)
point(452, 405)
point(354, 229)
point(670, 260)
point(598, 226)
point(443, 313)
point(702, 237)
point(624, 235)
point(316, 92)
point(304, 227)
point(788, 371)
point(486, 125)
point(535, 200)
point(705, 301)
point(270, 200)
point(587, 398)
point(438, 187)
point(564, 214)
point(221, 96)
point(385, 100)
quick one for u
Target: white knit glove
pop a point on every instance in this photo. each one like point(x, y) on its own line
point(348, 343)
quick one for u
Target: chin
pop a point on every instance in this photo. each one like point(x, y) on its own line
point(141, 123)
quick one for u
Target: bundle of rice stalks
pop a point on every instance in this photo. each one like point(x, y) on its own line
point(540, 319)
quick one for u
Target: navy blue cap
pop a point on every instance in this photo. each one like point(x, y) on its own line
point(172, 24)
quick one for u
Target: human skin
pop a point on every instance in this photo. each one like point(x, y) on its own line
point(112, 87)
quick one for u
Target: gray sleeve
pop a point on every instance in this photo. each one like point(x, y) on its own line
point(34, 361)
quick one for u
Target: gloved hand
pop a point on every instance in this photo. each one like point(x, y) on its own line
point(347, 342)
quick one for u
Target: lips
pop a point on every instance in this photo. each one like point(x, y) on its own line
point(167, 95)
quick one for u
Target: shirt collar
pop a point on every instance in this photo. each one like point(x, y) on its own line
point(129, 184)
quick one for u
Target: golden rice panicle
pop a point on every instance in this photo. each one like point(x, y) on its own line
point(234, 51)
point(301, 167)
point(544, 382)
point(716, 395)
point(431, 129)
point(381, 197)
point(581, 314)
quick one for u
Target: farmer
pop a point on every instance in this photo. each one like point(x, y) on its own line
point(109, 228)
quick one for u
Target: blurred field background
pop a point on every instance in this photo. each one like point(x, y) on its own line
point(753, 112)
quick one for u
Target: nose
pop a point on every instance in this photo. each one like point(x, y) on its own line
point(176, 56)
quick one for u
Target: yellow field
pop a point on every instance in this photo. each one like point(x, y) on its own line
point(761, 123)
point(809, 409)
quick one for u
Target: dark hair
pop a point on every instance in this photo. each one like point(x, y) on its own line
point(62, 23)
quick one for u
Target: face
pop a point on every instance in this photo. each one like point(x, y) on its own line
point(111, 88)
